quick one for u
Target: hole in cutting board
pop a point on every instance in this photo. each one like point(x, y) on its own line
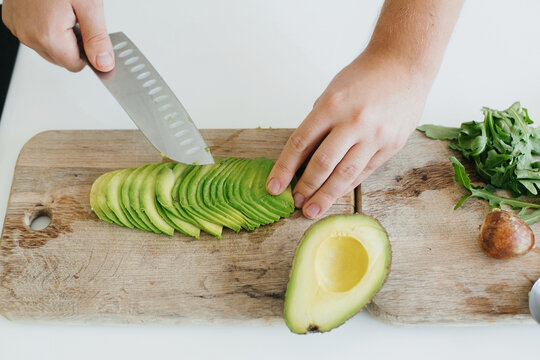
point(38, 218)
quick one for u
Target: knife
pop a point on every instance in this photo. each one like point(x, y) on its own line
point(152, 106)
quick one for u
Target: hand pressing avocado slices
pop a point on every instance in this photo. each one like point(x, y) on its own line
point(339, 265)
point(164, 197)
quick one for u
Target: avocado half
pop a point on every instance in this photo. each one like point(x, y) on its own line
point(340, 264)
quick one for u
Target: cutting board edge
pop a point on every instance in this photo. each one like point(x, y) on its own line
point(416, 321)
point(150, 320)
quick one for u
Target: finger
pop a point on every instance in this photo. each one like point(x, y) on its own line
point(96, 42)
point(325, 159)
point(376, 161)
point(296, 150)
point(343, 176)
point(65, 51)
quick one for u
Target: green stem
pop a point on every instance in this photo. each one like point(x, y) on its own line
point(492, 198)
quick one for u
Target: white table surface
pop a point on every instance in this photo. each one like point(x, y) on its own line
point(247, 63)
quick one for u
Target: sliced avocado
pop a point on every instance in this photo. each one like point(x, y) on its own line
point(164, 185)
point(191, 199)
point(282, 204)
point(113, 196)
point(339, 265)
point(137, 178)
point(126, 205)
point(102, 200)
point(178, 224)
point(209, 208)
point(180, 171)
point(254, 219)
point(241, 194)
point(211, 189)
point(147, 199)
point(254, 179)
point(162, 197)
point(244, 192)
point(94, 200)
point(228, 186)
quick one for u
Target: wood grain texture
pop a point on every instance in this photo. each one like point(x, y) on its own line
point(81, 269)
point(439, 274)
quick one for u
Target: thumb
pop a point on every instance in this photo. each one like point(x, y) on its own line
point(96, 42)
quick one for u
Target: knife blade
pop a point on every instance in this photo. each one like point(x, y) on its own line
point(152, 106)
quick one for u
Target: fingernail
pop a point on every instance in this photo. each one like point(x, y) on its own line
point(298, 200)
point(104, 59)
point(274, 186)
point(313, 210)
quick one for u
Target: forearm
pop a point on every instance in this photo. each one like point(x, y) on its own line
point(415, 33)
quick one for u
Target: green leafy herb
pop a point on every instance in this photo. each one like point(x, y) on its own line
point(439, 132)
point(495, 201)
point(502, 148)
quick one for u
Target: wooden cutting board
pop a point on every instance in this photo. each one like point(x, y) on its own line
point(80, 269)
point(439, 274)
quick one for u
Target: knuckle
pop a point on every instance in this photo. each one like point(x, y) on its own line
point(308, 185)
point(23, 37)
point(370, 167)
point(43, 39)
point(76, 67)
point(282, 168)
point(384, 132)
point(359, 118)
point(326, 196)
point(323, 161)
point(348, 171)
point(298, 143)
point(96, 38)
point(335, 100)
point(394, 145)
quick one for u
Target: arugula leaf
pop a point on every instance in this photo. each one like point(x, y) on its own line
point(461, 177)
point(531, 218)
point(502, 147)
point(436, 132)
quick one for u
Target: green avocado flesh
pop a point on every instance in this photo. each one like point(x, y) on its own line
point(168, 197)
point(340, 264)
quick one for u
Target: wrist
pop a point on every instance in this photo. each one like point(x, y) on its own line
point(396, 69)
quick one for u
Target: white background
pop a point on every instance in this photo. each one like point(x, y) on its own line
point(246, 63)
